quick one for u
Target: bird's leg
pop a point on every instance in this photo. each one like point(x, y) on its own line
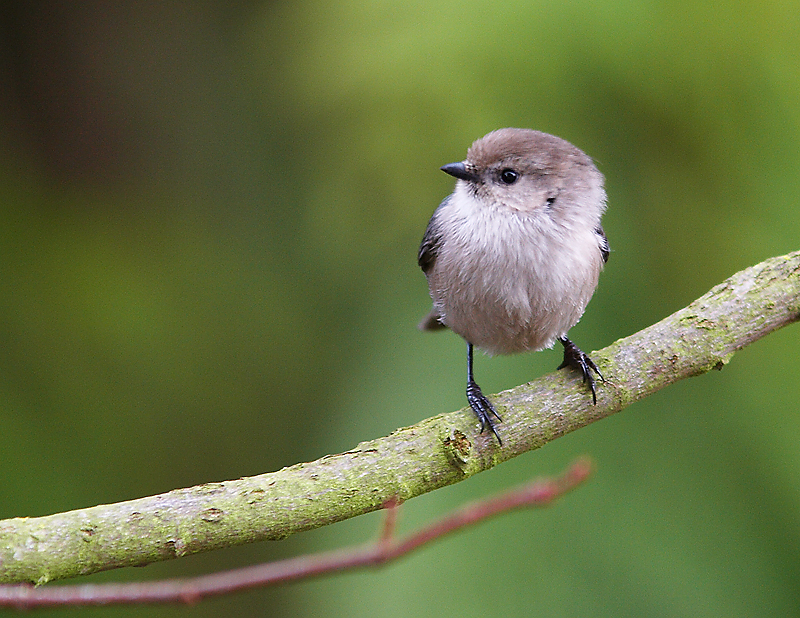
point(482, 407)
point(575, 358)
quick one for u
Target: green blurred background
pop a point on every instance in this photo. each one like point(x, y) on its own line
point(209, 219)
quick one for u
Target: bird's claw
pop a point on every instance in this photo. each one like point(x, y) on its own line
point(579, 360)
point(483, 409)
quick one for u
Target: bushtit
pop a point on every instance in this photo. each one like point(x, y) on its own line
point(513, 255)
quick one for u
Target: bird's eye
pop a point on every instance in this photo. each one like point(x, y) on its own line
point(509, 176)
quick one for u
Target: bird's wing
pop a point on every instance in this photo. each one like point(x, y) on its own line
point(429, 248)
point(605, 249)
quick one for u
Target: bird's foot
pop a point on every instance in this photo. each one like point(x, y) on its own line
point(575, 358)
point(483, 409)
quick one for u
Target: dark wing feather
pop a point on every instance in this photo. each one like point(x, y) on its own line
point(605, 250)
point(428, 251)
point(429, 248)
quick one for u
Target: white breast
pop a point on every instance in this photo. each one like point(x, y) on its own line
point(508, 281)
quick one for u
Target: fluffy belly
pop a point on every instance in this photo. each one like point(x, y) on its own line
point(498, 326)
point(513, 306)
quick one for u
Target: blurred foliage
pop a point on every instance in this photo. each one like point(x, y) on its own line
point(208, 233)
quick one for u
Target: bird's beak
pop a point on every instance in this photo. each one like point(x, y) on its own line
point(459, 170)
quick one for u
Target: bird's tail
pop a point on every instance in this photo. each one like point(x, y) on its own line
point(432, 321)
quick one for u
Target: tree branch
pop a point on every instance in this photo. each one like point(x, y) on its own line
point(411, 461)
point(385, 549)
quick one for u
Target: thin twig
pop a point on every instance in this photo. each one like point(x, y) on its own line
point(385, 549)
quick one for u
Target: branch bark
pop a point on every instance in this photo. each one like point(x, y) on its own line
point(411, 461)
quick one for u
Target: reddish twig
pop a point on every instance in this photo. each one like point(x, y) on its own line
point(386, 549)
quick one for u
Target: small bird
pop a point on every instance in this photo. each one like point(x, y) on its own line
point(513, 255)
